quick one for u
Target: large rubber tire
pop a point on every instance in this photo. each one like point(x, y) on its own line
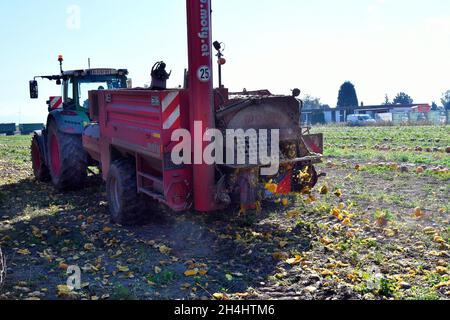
point(67, 159)
point(40, 168)
point(125, 204)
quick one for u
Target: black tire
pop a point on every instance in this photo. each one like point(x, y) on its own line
point(71, 171)
point(40, 168)
point(125, 204)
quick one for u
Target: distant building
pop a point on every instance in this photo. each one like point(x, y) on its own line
point(387, 113)
point(382, 112)
point(313, 116)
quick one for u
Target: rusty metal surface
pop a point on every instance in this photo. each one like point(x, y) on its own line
point(314, 142)
point(262, 113)
point(256, 93)
point(298, 152)
point(273, 112)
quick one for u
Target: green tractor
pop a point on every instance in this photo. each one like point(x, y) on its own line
point(57, 150)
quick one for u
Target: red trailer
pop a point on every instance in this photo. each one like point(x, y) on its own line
point(131, 137)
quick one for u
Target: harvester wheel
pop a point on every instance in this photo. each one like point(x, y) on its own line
point(123, 198)
point(40, 169)
point(68, 160)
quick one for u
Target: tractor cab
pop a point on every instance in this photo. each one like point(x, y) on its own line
point(76, 84)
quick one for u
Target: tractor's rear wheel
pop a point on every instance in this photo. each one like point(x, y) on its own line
point(124, 201)
point(40, 169)
point(68, 160)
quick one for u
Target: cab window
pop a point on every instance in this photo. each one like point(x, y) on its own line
point(68, 94)
point(85, 87)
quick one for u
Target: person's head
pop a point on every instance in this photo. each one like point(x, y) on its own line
point(101, 88)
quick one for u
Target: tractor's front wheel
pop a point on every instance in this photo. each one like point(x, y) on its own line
point(124, 201)
point(68, 160)
point(40, 169)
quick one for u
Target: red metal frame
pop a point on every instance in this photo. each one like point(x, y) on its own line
point(201, 98)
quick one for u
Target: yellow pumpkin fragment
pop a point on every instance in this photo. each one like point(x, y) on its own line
point(294, 261)
point(323, 190)
point(191, 272)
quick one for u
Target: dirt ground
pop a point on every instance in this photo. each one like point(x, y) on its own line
point(361, 234)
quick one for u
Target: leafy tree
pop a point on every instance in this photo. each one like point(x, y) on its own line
point(386, 101)
point(446, 100)
point(311, 103)
point(402, 98)
point(434, 106)
point(347, 96)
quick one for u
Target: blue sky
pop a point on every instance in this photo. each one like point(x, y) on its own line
point(382, 46)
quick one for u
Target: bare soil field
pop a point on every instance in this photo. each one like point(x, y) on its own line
point(376, 228)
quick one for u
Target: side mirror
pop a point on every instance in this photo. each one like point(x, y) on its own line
point(34, 92)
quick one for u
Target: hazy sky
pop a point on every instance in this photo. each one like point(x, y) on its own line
point(382, 46)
